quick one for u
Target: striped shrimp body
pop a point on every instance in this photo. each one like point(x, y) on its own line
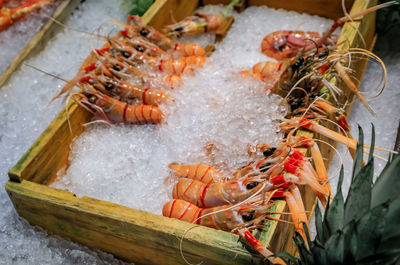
point(200, 172)
point(268, 72)
point(174, 81)
point(237, 219)
point(125, 90)
point(216, 194)
point(190, 49)
point(180, 66)
point(115, 111)
point(231, 219)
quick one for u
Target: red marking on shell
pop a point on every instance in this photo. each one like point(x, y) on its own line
point(278, 180)
point(90, 68)
point(290, 168)
point(86, 79)
point(294, 162)
point(305, 123)
point(297, 155)
point(102, 51)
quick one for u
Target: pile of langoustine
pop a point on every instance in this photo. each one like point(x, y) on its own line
point(241, 203)
point(204, 196)
point(140, 53)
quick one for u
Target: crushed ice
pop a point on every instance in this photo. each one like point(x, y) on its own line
point(216, 114)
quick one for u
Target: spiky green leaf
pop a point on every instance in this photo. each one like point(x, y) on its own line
point(391, 237)
point(335, 243)
point(358, 159)
point(371, 150)
point(319, 254)
point(304, 252)
point(350, 242)
point(359, 197)
point(387, 186)
point(370, 229)
point(335, 214)
point(322, 235)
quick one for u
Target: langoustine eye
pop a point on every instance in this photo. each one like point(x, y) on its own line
point(251, 185)
point(248, 217)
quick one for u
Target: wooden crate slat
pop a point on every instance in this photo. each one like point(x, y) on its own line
point(164, 12)
point(89, 221)
point(329, 9)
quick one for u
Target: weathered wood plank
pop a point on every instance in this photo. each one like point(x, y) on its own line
point(38, 41)
point(130, 234)
point(223, 29)
point(324, 8)
point(165, 12)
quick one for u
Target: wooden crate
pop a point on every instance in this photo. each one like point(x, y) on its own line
point(136, 235)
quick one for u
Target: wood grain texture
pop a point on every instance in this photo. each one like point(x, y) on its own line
point(164, 12)
point(350, 38)
point(40, 39)
point(223, 29)
point(130, 234)
point(325, 8)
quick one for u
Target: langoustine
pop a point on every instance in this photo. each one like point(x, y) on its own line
point(275, 176)
point(114, 111)
point(282, 45)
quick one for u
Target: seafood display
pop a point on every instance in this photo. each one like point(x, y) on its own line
point(128, 81)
